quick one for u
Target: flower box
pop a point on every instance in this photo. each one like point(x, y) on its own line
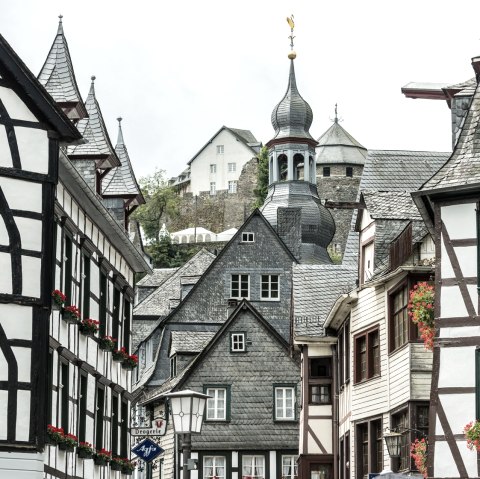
point(127, 472)
point(100, 461)
point(71, 314)
point(88, 327)
point(58, 299)
point(107, 343)
point(128, 466)
point(130, 362)
point(102, 457)
point(85, 450)
point(55, 435)
point(119, 355)
point(116, 464)
point(66, 447)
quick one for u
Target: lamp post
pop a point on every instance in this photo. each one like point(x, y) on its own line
point(394, 441)
point(187, 411)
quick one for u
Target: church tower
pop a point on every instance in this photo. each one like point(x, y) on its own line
point(292, 205)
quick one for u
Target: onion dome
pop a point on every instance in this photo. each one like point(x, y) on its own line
point(292, 117)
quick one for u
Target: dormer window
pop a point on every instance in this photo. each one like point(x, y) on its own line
point(173, 366)
point(237, 343)
point(248, 237)
point(367, 261)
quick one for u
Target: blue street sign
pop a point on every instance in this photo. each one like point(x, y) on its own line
point(147, 450)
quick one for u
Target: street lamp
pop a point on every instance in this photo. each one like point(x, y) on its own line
point(187, 410)
point(393, 440)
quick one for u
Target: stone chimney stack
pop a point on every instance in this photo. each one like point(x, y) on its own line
point(289, 228)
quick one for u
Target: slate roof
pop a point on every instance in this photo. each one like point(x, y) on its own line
point(315, 290)
point(158, 303)
point(292, 116)
point(399, 170)
point(336, 145)
point(189, 341)
point(463, 166)
point(121, 181)
point(158, 276)
point(245, 136)
point(391, 205)
point(58, 77)
point(93, 129)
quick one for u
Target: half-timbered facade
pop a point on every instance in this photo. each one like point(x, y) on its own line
point(449, 204)
point(57, 234)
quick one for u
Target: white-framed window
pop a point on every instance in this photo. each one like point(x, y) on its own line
point(284, 403)
point(240, 286)
point(289, 467)
point(248, 237)
point(232, 167)
point(220, 149)
point(253, 467)
point(214, 467)
point(270, 286)
point(237, 341)
point(213, 168)
point(213, 188)
point(217, 404)
point(232, 186)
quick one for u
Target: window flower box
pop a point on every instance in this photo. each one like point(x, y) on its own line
point(88, 327)
point(107, 343)
point(116, 464)
point(85, 450)
point(119, 355)
point(102, 457)
point(128, 466)
point(130, 362)
point(55, 435)
point(69, 443)
point(71, 314)
point(58, 299)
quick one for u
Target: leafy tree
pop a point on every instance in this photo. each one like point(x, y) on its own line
point(166, 254)
point(261, 190)
point(161, 202)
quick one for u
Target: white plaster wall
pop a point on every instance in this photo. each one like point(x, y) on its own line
point(33, 149)
point(15, 107)
point(455, 376)
point(460, 220)
point(30, 199)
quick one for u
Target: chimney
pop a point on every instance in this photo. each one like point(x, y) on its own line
point(289, 228)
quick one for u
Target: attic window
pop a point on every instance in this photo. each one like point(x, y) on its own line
point(349, 172)
point(220, 149)
point(248, 237)
point(237, 343)
point(173, 366)
point(326, 171)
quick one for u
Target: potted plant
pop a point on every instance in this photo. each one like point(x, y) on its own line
point(58, 299)
point(130, 362)
point(85, 450)
point(418, 451)
point(421, 311)
point(116, 463)
point(55, 435)
point(102, 457)
point(69, 442)
point(119, 354)
point(71, 314)
point(88, 327)
point(472, 435)
point(128, 466)
point(107, 343)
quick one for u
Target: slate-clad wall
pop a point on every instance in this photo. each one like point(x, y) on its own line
point(252, 424)
point(87, 169)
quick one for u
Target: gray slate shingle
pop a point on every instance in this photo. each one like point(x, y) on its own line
point(189, 341)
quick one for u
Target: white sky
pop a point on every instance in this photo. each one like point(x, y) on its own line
point(177, 71)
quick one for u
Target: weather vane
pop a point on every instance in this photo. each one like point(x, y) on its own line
point(336, 119)
point(292, 27)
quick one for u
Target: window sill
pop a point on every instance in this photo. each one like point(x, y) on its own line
point(283, 421)
point(403, 346)
point(320, 403)
point(268, 300)
point(217, 421)
point(363, 381)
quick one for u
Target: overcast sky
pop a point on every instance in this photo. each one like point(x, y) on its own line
point(177, 71)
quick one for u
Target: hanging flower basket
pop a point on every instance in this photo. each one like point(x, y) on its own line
point(418, 451)
point(130, 362)
point(472, 435)
point(88, 327)
point(107, 343)
point(421, 311)
point(128, 466)
point(120, 355)
point(116, 464)
point(85, 450)
point(58, 299)
point(102, 457)
point(55, 435)
point(71, 314)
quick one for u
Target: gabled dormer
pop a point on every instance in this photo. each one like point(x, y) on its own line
point(58, 78)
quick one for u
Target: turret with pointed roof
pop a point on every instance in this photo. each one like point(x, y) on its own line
point(58, 78)
point(120, 183)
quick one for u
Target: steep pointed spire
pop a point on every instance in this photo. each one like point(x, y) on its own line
point(121, 182)
point(58, 77)
point(93, 129)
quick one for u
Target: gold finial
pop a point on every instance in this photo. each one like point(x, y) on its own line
point(292, 55)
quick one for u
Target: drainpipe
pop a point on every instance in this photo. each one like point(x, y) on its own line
point(335, 424)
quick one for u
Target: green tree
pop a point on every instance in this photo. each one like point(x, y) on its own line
point(161, 202)
point(261, 190)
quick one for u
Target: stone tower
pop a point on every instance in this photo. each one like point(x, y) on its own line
point(292, 205)
point(340, 160)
